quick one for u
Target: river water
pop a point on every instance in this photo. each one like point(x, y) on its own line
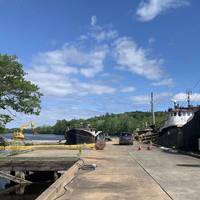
point(37, 136)
point(32, 191)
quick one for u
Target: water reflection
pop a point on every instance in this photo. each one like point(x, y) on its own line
point(25, 192)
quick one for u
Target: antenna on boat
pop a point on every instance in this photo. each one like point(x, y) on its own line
point(152, 109)
point(188, 97)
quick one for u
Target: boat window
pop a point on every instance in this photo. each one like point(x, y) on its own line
point(175, 114)
point(179, 113)
point(188, 113)
point(183, 113)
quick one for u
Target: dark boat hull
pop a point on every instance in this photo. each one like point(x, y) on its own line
point(171, 137)
point(185, 138)
point(191, 133)
point(79, 136)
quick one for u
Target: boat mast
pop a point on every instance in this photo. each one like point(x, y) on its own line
point(188, 98)
point(152, 109)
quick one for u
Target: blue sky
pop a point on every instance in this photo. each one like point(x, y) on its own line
point(93, 57)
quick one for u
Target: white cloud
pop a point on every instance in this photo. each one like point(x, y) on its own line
point(103, 33)
point(150, 9)
point(93, 20)
point(141, 99)
point(165, 82)
point(99, 33)
point(183, 97)
point(60, 85)
point(94, 62)
point(72, 60)
point(135, 59)
point(58, 72)
point(83, 37)
point(86, 88)
point(128, 89)
point(145, 99)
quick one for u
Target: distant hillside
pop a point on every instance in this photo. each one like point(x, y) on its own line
point(109, 123)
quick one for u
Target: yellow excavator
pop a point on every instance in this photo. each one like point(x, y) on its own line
point(19, 134)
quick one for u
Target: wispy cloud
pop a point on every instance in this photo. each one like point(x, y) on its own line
point(151, 40)
point(137, 60)
point(128, 89)
point(93, 20)
point(100, 33)
point(165, 82)
point(59, 85)
point(75, 68)
point(183, 97)
point(58, 72)
point(71, 59)
point(150, 9)
point(145, 99)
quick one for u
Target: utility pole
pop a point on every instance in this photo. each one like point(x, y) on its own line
point(188, 97)
point(152, 109)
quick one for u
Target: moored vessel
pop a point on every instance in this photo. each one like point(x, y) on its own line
point(181, 129)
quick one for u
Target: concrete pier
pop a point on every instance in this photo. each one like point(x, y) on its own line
point(123, 172)
point(117, 176)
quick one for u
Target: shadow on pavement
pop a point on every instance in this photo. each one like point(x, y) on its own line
point(188, 165)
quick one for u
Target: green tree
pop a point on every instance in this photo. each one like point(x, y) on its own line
point(16, 93)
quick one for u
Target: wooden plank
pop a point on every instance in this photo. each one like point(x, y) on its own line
point(37, 163)
point(68, 158)
point(57, 187)
point(14, 178)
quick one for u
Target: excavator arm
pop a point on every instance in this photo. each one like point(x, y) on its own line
point(20, 134)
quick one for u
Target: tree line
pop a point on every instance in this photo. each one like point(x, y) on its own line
point(112, 124)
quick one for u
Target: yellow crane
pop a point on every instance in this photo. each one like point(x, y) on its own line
point(19, 134)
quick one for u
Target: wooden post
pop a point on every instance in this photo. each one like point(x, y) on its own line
point(13, 178)
point(152, 109)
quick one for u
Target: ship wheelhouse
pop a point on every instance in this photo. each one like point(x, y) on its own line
point(178, 117)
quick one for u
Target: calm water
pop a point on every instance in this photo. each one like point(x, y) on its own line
point(37, 136)
point(30, 192)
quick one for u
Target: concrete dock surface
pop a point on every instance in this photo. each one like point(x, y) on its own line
point(177, 174)
point(123, 172)
point(117, 176)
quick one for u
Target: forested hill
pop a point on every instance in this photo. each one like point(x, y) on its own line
point(109, 123)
